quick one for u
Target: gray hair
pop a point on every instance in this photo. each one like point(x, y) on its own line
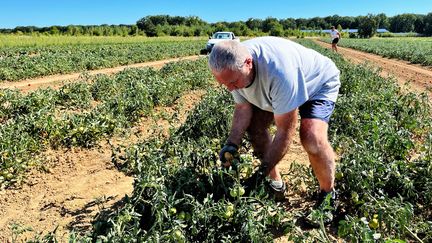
point(228, 55)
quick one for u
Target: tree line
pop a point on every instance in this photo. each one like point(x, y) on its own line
point(165, 25)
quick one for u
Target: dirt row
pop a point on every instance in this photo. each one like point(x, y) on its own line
point(59, 79)
point(419, 78)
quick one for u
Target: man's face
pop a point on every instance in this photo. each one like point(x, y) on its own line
point(236, 79)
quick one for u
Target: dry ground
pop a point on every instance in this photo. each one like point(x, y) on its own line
point(418, 77)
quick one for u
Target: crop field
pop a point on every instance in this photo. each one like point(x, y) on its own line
point(414, 50)
point(382, 137)
point(77, 55)
point(81, 113)
point(41, 40)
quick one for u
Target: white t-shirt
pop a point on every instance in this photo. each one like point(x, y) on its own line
point(287, 75)
point(334, 34)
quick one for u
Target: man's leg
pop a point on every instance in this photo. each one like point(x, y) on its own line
point(261, 140)
point(260, 137)
point(258, 131)
point(315, 115)
point(313, 134)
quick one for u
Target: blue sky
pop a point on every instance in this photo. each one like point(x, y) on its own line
point(87, 12)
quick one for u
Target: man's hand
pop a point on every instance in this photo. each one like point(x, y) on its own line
point(228, 153)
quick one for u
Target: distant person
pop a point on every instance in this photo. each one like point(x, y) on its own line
point(335, 37)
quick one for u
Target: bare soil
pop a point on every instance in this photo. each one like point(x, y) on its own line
point(418, 78)
point(54, 81)
point(80, 183)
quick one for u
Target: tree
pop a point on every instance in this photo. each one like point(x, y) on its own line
point(317, 23)
point(428, 24)
point(97, 31)
point(134, 30)
point(220, 26)
point(107, 30)
point(70, 30)
point(382, 21)
point(151, 25)
point(301, 23)
point(176, 20)
point(239, 28)
point(419, 24)
point(54, 30)
point(347, 22)
point(147, 25)
point(288, 23)
point(254, 24)
point(194, 21)
point(332, 21)
point(367, 26)
point(270, 23)
point(402, 23)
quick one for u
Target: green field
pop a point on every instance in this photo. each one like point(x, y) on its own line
point(43, 40)
point(381, 135)
point(77, 54)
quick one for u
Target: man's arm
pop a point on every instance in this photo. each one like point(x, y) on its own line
point(286, 124)
point(241, 120)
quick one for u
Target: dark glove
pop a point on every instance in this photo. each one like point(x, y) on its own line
point(228, 153)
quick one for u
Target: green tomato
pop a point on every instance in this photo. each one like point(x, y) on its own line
point(188, 216)
point(374, 223)
point(230, 207)
point(355, 197)
point(8, 176)
point(228, 214)
point(182, 215)
point(241, 191)
point(233, 192)
point(177, 234)
point(339, 175)
point(127, 217)
point(173, 211)
point(237, 191)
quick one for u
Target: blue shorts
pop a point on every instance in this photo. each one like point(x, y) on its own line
point(319, 109)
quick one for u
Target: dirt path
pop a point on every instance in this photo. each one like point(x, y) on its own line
point(78, 185)
point(57, 80)
point(419, 77)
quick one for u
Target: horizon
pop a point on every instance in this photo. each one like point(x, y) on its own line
point(180, 16)
point(48, 13)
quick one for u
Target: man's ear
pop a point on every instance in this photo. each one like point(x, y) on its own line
point(249, 61)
